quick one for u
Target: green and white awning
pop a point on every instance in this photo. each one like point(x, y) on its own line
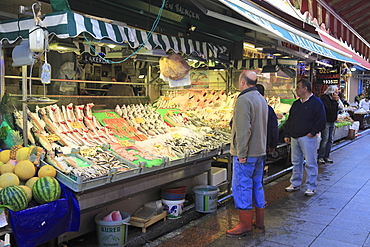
point(252, 63)
point(68, 24)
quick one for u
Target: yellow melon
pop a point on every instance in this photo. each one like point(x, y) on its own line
point(31, 181)
point(5, 156)
point(7, 168)
point(22, 154)
point(28, 192)
point(24, 169)
point(8, 179)
point(47, 171)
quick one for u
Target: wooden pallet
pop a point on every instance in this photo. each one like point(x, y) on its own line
point(144, 223)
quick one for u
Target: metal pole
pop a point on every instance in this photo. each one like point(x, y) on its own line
point(2, 72)
point(24, 105)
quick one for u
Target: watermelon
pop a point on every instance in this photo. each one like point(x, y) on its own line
point(46, 189)
point(14, 198)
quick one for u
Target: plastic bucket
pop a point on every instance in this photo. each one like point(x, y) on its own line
point(173, 208)
point(206, 198)
point(112, 233)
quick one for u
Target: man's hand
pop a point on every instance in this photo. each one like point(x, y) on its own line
point(310, 135)
point(287, 140)
point(242, 160)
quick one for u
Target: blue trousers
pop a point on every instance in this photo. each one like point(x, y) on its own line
point(247, 184)
point(304, 148)
point(326, 140)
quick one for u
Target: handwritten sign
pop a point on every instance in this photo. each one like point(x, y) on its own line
point(88, 152)
point(139, 120)
point(176, 136)
point(125, 143)
point(52, 138)
point(76, 125)
point(110, 114)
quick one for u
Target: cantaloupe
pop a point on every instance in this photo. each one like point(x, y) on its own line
point(28, 192)
point(47, 171)
point(8, 179)
point(7, 168)
point(31, 181)
point(24, 169)
point(5, 156)
point(22, 154)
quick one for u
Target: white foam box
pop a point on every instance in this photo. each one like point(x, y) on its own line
point(218, 175)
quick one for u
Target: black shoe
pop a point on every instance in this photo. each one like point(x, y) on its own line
point(327, 160)
point(321, 161)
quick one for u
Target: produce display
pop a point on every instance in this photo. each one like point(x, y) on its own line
point(18, 181)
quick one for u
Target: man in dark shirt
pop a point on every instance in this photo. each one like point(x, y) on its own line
point(306, 119)
point(330, 100)
point(272, 125)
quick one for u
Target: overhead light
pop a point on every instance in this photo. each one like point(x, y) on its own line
point(276, 54)
point(154, 52)
point(192, 28)
point(285, 57)
point(270, 69)
point(353, 69)
point(62, 47)
point(111, 46)
point(259, 48)
point(248, 45)
point(324, 64)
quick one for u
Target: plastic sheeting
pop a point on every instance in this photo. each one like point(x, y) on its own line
point(36, 225)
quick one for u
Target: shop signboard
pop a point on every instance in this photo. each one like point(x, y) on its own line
point(328, 76)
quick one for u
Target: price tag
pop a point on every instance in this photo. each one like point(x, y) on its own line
point(139, 120)
point(88, 152)
point(171, 103)
point(125, 143)
point(209, 110)
point(166, 98)
point(75, 125)
point(158, 146)
point(110, 114)
point(52, 138)
point(176, 136)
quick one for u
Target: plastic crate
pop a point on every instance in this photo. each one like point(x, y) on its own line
point(77, 184)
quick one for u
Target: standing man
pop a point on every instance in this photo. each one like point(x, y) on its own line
point(306, 119)
point(248, 146)
point(331, 100)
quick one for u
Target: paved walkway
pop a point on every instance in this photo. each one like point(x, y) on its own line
point(338, 215)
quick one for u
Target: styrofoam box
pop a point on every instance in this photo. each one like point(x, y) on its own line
point(218, 175)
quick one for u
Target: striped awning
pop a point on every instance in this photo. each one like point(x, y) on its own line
point(252, 63)
point(68, 24)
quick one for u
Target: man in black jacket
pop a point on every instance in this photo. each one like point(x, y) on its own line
point(330, 100)
point(306, 119)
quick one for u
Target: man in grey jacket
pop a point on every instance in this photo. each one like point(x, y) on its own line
point(248, 146)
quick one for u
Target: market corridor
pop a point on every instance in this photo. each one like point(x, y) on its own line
point(336, 216)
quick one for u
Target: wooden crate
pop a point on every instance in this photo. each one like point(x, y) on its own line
point(144, 223)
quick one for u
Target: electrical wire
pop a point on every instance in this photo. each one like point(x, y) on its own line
point(149, 35)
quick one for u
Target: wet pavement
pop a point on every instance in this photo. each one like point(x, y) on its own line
point(338, 215)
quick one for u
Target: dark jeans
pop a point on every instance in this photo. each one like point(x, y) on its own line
point(326, 140)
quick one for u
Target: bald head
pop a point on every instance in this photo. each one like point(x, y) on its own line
point(248, 78)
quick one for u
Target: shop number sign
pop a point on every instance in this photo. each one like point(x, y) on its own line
point(327, 76)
